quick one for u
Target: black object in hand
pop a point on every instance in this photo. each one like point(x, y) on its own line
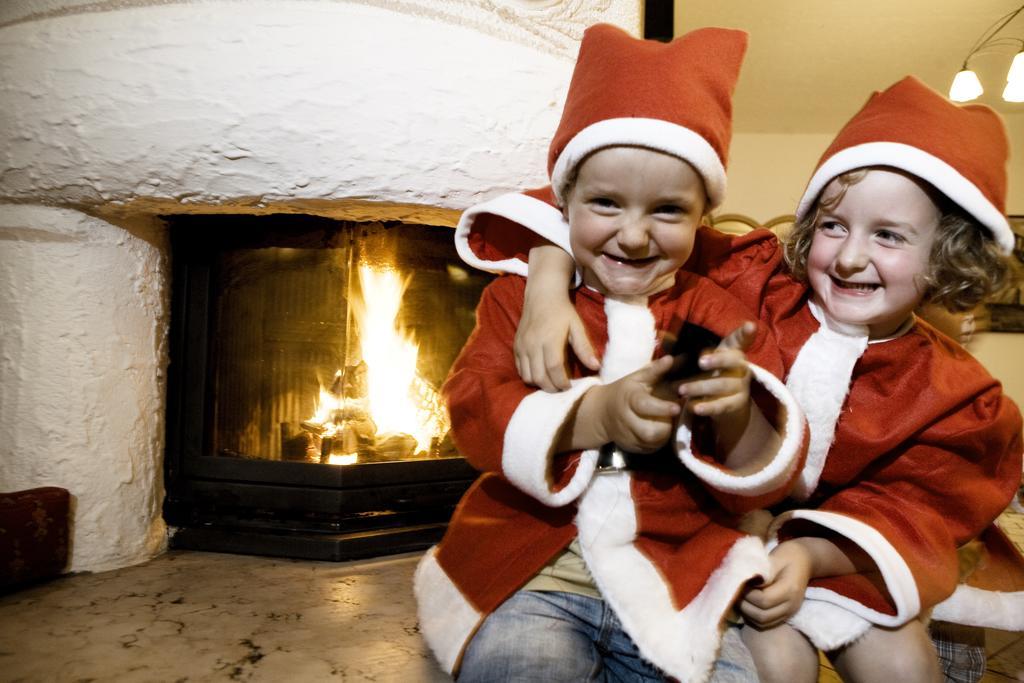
point(690, 342)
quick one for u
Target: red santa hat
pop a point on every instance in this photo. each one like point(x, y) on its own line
point(961, 150)
point(670, 97)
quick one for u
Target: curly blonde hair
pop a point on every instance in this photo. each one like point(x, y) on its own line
point(965, 266)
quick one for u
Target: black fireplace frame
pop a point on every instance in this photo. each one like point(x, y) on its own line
point(278, 508)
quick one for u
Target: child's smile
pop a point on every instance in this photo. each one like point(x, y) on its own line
point(855, 288)
point(627, 262)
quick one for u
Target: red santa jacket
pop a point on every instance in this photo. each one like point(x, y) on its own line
point(662, 544)
point(914, 450)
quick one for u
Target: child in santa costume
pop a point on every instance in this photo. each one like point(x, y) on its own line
point(588, 548)
point(914, 449)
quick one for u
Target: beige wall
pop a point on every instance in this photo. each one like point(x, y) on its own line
point(1001, 353)
point(767, 174)
point(768, 171)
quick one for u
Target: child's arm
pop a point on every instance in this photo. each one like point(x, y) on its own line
point(793, 564)
point(633, 412)
point(549, 320)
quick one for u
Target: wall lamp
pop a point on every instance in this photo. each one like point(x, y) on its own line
point(966, 85)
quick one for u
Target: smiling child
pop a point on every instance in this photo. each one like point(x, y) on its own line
point(600, 542)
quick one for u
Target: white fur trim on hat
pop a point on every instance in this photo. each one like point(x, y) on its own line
point(920, 163)
point(656, 134)
point(530, 439)
point(899, 581)
point(778, 470)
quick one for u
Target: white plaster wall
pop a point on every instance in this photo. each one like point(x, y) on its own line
point(83, 317)
point(126, 109)
point(262, 103)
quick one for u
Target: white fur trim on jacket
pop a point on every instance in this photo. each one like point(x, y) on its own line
point(899, 581)
point(447, 619)
point(657, 134)
point(534, 214)
point(820, 382)
point(683, 643)
point(916, 161)
point(976, 607)
point(631, 339)
point(829, 627)
point(530, 439)
point(777, 471)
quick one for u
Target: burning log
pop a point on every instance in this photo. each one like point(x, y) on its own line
point(395, 447)
point(301, 444)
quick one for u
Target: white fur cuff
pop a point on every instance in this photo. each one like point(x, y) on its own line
point(899, 581)
point(530, 439)
point(828, 626)
point(976, 607)
point(532, 214)
point(779, 467)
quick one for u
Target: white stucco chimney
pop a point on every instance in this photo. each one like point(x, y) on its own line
point(118, 111)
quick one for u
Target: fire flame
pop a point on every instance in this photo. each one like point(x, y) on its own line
point(398, 400)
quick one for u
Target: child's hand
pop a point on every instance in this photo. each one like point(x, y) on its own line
point(633, 416)
point(724, 387)
point(777, 599)
point(549, 320)
point(547, 323)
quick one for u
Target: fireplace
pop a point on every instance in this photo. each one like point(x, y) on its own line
point(304, 414)
point(120, 112)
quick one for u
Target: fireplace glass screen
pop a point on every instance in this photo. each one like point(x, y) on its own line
point(332, 344)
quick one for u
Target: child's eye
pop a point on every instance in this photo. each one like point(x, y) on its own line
point(891, 237)
point(670, 210)
point(603, 203)
point(830, 227)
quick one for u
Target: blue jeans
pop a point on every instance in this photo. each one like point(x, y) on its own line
point(551, 636)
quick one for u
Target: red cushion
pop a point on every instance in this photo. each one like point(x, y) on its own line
point(33, 534)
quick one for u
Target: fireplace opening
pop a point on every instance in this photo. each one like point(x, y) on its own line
point(304, 413)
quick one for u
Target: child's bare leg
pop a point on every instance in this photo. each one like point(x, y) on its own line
point(901, 654)
point(781, 654)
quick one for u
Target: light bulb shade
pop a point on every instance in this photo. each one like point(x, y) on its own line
point(1014, 91)
point(1016, 72)
point(966, 87)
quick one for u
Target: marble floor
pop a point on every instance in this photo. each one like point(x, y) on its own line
point(195, 616)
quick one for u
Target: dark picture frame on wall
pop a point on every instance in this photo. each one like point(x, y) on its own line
point(1006, 310)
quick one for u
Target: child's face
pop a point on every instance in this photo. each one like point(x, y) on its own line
point(633, 214)
point(870, 250)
